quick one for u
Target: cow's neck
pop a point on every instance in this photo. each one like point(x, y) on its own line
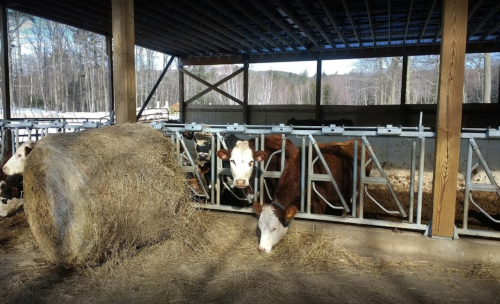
point(288, 188)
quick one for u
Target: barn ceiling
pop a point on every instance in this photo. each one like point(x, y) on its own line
point(280, 30)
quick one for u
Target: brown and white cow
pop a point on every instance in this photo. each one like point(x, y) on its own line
point(243, 155)
point(15, 165)
point(274, 218)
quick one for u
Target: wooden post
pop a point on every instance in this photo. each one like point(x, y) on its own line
point(246, 116)
point(319, 71)
point(404, 80)
point(111, 92)
point(182, 104)
point(4, 53)
point(124, 62)
point(449, 117)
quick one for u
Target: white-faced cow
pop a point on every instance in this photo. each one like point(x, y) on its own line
point(11, 195)
point(243, 155)
point(15, 165)
point(275, 217)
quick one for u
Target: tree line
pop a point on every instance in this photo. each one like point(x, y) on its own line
point(60, 68)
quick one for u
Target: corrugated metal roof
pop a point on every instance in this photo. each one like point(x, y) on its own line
point(279, 29)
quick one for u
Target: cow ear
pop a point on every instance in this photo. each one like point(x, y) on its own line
point(27, 150)
point(259, 156)
point(223, 154)
point(257, 207)
point(289, 214)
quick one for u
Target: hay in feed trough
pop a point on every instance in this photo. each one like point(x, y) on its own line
point(99, 193)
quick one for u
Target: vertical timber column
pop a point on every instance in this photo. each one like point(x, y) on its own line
point(123, 57)
point(4, 51)
point(404, 80)
point(111, 91)
point(449, 117)
point(182, 105)
point(319, 71)
point(246, 116)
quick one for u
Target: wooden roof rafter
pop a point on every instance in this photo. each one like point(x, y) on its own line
point(408, 21)
point(333, 22)
point(431, 10)
point(370, 22)
point(255, 19)
point(168, 24)
point(353, 25)
point(270, 15)
point(182, 19)
point(484, 20)
point(208, 23)
point(243, 23)
point(316, 24)
point(211, 22)
point(296, 21)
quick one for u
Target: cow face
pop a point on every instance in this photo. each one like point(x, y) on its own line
point(11, 195)
point(203, 146)
point(15, 165)
point(241, 158)
point(273, 224)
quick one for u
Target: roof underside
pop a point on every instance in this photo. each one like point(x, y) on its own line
point(280, 30)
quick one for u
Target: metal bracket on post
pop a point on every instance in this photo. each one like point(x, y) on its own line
point(193, 127)
point(429, 233)
point(493, 133)
point(389, 130)
point(281, 128)
point(236, 128)
point(332, 130)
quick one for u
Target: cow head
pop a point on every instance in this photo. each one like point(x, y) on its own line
point(11, 193)
point(273, 223)
point(15, 165)
point(203, 145)
point(242, 160)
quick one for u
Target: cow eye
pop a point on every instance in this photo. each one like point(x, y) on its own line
point(250, 163)
point(233, 162)
point(274, 229)
point(19, 155)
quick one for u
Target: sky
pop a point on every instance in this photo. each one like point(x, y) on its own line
point(330, 67)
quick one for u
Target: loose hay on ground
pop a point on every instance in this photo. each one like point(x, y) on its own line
point(102, 193)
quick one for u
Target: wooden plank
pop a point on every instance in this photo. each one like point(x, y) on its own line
point(449, 118)
point(124, 61)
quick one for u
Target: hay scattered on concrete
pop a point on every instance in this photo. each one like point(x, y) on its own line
point(101, 193)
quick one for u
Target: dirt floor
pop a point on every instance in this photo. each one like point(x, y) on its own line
point(226, 267)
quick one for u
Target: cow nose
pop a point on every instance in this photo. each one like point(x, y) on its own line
point(262, 249)
point(240, 183)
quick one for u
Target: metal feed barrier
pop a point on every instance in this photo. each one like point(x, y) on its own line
point(36, 129)
point(209, 194)
point(471, 135)
point(308, 136)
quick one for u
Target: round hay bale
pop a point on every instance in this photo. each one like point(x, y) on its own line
point(94, 194)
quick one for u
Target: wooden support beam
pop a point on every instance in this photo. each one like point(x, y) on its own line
point(404, 87)
point(124, 61)
point(4, 54)
point(111, 95)
point(449, 118)
point(319, 71)
point(182, 104)
point(246, 112)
